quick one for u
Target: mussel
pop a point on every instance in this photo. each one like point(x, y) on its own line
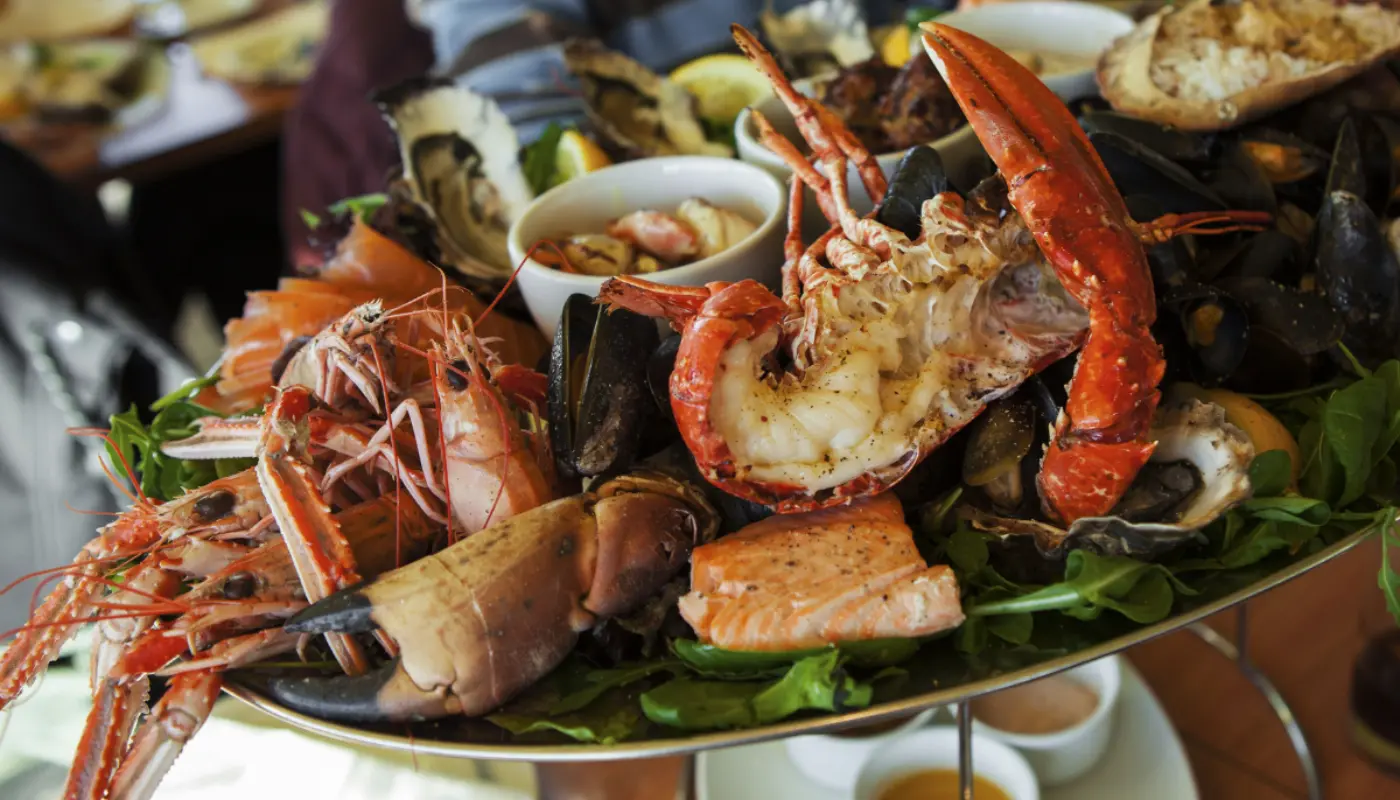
point(1001, 459)
point(601, 409)
point(1380, 153)
point(1136, 169)
point(1239, 179)
point(1269, 254)
point(918, 177)
point(1178, 145)
point(1217, 331)
point(1357, 271)
point(1199, 471)
point(1283, 157)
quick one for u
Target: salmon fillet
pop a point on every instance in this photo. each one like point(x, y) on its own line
point(796, 581)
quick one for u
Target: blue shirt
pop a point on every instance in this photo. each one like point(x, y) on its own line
point(511, 50)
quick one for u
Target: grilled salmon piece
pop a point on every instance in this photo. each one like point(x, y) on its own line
point(795, 581)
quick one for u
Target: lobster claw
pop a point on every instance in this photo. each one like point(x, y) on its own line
point(491, 615)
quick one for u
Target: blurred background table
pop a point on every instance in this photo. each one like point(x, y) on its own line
point(202, 120)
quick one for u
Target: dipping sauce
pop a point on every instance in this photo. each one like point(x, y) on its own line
point(1046, 65)
point(939, 784)
point(1048, 705)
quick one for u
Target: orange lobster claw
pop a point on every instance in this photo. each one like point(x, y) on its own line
point(1064, 193)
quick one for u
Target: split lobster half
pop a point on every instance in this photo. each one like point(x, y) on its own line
point(890, 337)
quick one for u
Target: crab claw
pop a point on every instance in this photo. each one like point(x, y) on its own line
point(383, 693)
point(492, 614)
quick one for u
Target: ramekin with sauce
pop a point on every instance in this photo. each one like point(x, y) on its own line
point(1062, 724)
point(835, 759)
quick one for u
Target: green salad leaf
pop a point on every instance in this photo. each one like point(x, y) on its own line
point(583, 703)
point(363, 206)
point(1389, 579)
point(1270, 473)
point(134, 443)
point(1139, 590)
point(541, 158)
point(915, 17)
point(816, 682)
point(720, 131)
point(711, 661)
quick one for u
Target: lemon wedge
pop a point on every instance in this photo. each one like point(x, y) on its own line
point(576, 155)
point(894, 49)
point(723, 84)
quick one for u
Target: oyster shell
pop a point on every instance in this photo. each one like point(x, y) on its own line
point(1186, 429)
point(1201, 66)
point(636, 111)
point(819, 36)
point(461, 168)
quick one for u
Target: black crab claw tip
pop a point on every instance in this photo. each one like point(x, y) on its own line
point(339, 699)
point(385, 694)
point(346, 611)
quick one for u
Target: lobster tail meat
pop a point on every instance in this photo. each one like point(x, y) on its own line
point(881, 348)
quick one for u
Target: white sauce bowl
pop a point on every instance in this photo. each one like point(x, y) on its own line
point(589, 202)
point(834, 761)
point(1061, 757)
point(937, 748)
point(1055, 26)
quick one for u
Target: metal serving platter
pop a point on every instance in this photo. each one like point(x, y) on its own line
point(938, 676)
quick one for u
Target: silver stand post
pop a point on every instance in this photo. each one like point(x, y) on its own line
point(1237, 652)
point(965, 773)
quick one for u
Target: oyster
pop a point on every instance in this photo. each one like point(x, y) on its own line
point(636, 111)
point(817, 37)
point(461, 169)
point(1192, 437)
point(1205, 66)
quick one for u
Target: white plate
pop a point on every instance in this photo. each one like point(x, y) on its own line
point(1145, 762)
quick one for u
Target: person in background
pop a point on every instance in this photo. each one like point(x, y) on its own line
point(337, 145)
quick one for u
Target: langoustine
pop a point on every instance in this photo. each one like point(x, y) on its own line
point(270, 540)
point(871, 360)
point(366, 266)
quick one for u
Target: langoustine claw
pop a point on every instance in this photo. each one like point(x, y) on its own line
point(508, 602)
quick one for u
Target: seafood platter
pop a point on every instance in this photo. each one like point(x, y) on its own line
point(1143, 368)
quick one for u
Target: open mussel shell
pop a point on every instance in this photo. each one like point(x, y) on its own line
point(919, 176)
point(600, 406)
point(1304, 320)
point(1136, 169)
point(459, 154)
point(1269, 254)
point(1239, 180)
point(1216, 331)
point(1001, 448)
point(1199, 471)
point(1283, 157)
point(1178, 145)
